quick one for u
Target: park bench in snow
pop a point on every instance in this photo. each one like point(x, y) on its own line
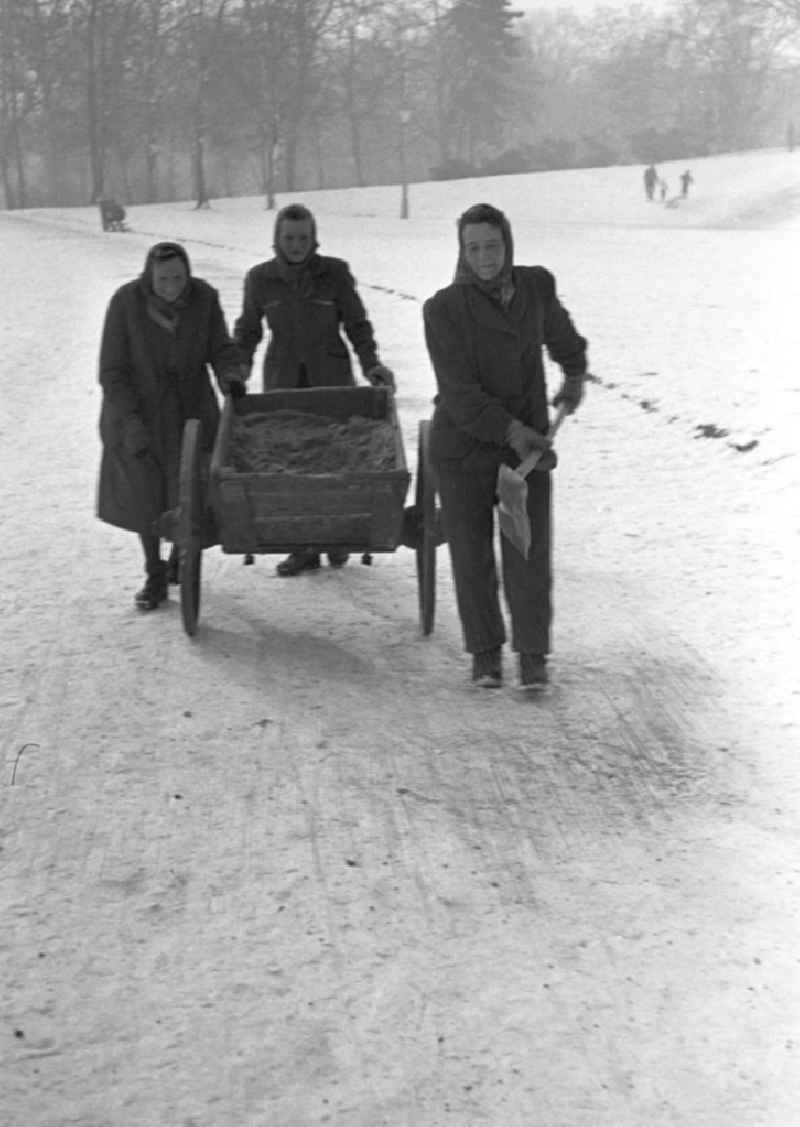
point(112, 215)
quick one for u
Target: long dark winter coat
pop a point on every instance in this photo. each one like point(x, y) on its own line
point(162, 378)
point(304, 311)
point(488, 362)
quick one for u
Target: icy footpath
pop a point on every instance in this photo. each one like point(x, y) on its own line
point(296, 872)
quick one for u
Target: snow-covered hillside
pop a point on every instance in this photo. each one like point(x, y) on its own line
point(295, 871)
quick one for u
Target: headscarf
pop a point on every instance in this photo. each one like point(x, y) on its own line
point(501, 287)
point(164, 313)
point(295, 212)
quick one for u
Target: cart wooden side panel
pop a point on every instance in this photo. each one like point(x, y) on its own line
point(278, 512)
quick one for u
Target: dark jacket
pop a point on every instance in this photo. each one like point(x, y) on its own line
point(488, 361)
point(304, 311)
point(160, 378)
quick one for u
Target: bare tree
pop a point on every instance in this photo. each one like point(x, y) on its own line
point(106, 27)
point(726, 51)
point(357, 66)
point(198, 31)
point(308, 22)
point(156, 35)
point(265, 81)
point(16, 102)
point(49, 49)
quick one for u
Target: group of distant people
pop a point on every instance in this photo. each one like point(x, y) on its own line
point(652, 181)
point(485, 334)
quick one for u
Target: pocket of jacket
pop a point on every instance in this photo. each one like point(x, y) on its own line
point(323, 315)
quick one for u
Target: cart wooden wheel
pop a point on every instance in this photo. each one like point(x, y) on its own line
point(425, 503)
point(190, 521)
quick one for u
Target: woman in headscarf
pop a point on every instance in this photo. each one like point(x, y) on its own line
point(306, 299)
point(161, 332)
point(485, 335)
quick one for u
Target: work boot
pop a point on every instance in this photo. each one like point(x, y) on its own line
point(154, 591)
point(487, 669)
point(532, 671)
point(304, 560)
point(338, 559)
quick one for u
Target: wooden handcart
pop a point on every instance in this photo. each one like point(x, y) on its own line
point(268, 513)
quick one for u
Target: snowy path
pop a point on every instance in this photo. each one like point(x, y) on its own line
point(295, 872)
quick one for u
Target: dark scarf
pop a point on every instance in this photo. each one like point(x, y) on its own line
point(500, 288)
point(166, 314)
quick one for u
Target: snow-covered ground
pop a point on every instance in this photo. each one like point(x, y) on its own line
point(295, 871)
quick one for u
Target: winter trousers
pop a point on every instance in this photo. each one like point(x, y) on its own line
point(468, 499)
point(153, 564)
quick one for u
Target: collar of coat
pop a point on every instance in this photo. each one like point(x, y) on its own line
point(165, 314)
point(487, 311)
point(288, 272)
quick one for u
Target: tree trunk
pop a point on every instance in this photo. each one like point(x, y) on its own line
point(291, 156)
point(19, 161)
point(8, 187)
point(125, 176)
point(170, 185)
point(442, 132)
point(352, 110)
point(53, 180)
point(319, 160)
point(204, 53)
point(96, 156)
point(268, 175)
point(271, 154)
point(198, 162)
point(151, 169)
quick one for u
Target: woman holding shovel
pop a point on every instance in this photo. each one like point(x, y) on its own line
point(485, 335)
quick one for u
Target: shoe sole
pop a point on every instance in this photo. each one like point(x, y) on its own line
point(487, 682)
point(149, 605)
point(539, 689)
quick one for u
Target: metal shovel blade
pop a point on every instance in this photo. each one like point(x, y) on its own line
point(512, 495)
point(512, 508)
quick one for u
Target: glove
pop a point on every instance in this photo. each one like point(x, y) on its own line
point(524, 440)
point(570, 393)
point(135, 437)
point(233, 384)
point(380, 376)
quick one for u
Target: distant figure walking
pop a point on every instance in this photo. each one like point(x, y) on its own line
point(650, 178)
point(662, 188)
point(790, 137)
point(686, 179)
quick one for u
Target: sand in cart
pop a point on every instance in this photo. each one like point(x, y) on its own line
point(300, 442)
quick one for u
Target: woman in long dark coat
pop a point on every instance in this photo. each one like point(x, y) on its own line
point(485, 335)
point(306, 299)
point(161, 332)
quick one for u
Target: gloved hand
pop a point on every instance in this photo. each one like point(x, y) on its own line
point(524, 440)
point(570, 393)
point(135, 437)
point(233, 383)
point(380, 376)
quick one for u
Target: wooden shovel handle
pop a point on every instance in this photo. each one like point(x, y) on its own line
point(529, 463)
